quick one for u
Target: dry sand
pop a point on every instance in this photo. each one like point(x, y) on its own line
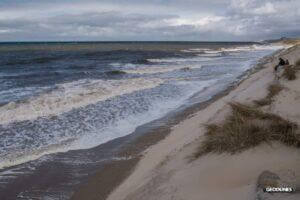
point(165, 172)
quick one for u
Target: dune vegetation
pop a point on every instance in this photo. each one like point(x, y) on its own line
point(289, 73)
point(247, 127)
point(273, 90)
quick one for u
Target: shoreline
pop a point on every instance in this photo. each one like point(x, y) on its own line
point(133, 152)
point(147, 168)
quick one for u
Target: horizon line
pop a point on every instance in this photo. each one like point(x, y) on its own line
point(125, 41)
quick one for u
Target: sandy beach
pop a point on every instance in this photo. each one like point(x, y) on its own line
point(167, 172)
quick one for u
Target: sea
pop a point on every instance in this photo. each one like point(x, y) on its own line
point(57, 97)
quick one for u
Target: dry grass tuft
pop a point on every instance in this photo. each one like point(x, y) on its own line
point(263, 102)
point(247, 127)
point(289, 73)
point(273, 90)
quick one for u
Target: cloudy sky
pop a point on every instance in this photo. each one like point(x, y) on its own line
point(103, 20)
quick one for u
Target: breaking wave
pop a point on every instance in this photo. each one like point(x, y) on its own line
point(156, 70)
point(179, 60)
point(72, 95)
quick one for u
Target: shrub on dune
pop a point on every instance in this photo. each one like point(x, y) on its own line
point(289, 73)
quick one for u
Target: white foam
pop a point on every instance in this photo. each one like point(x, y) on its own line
point(10, 173)
point(155, 70)
point(15, 93)
point(126, 66)
point(72, 95)
point(127, 125)
point(213, 55)
point(179, 60)
point(195, 50)
point(268, 47)
point(34, 154)
point(244, 48)
point(119, 128)
point(213, 51)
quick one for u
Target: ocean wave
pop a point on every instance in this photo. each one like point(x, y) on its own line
point(93, 125)
point(40, 60)
point(223, 51)
point(179, 60)
point(124, 65)
point(142, 61)
point(72, 95)
point(200, 55)
point(18, 158)
point(156, 70)
point(115, 73)
point(268, 47)
point(195, 50)
point(18, 76)
point(254, 47)
point(211, 55)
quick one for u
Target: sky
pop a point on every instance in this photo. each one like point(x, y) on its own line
point(148, 20)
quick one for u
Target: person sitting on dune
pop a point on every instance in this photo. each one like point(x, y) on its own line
point(279, 68)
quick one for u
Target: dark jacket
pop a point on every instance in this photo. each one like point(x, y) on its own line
point(281, 61)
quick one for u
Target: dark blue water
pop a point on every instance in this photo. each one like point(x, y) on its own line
point(36, 71)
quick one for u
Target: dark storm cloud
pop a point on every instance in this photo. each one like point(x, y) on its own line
point(148, 20)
